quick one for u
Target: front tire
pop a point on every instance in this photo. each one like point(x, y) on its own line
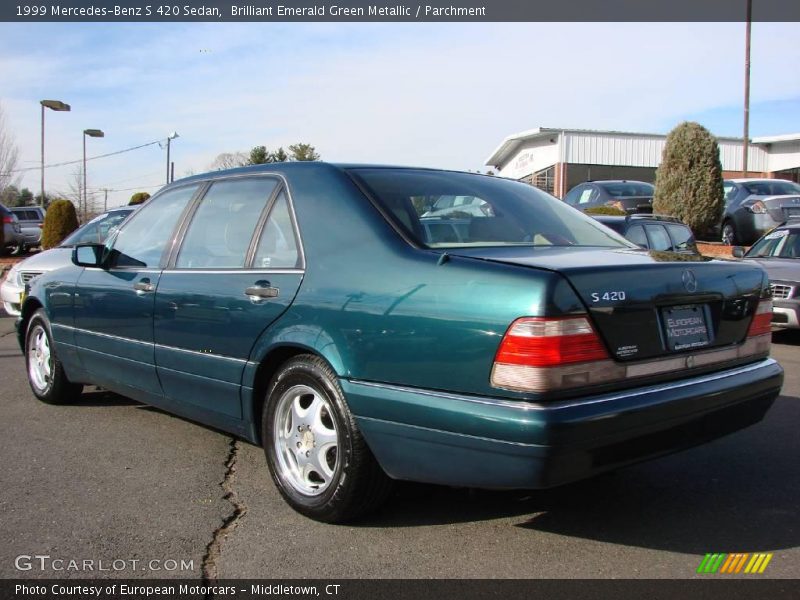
point(317, 457)
point(45, 373)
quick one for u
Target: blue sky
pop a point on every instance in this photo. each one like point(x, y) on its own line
point(427, 94)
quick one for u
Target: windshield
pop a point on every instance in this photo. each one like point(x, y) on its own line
point(781, 243)
point(775, 187)
point(96, 231)
point(490, 211)
point(627, 189)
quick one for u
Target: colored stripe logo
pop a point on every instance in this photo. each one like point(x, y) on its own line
point(737, 562)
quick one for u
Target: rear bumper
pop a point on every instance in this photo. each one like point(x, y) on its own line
point(459, 440)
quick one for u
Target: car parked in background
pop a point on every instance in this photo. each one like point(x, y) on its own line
point(629, 196)
point(654, 232)
point(31, 219)
point(778, 252)
point(13, 241)
point(93, 232)
point(755, 206)
point(304, 307)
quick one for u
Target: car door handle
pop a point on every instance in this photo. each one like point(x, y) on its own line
point(261, 292)
point(143, 287)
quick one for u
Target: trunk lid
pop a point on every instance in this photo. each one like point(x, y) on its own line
point(646, 304)
point(782, 208)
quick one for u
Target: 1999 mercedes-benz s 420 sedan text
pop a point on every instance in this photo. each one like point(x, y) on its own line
point(313, 309)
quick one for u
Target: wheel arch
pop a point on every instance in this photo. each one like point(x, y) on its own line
point(263, 372)
point(30, 306)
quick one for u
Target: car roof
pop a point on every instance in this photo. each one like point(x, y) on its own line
point(312, 165)
point(619, 181)
point(758, 180)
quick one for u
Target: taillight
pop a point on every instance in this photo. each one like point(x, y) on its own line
point(541, 354)
point(761, 323)
point(758, 208)
point(541, 342)
point(8, 219)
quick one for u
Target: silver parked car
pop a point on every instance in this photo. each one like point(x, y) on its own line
point(778, 252)
point(31, 219)
point(93, 232)
point(755, 206)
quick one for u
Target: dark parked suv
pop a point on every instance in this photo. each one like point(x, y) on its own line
point(630, 196)
point(654, 232)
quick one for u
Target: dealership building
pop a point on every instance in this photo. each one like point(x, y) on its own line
point(556, 160)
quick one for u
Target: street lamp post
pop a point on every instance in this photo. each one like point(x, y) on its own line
point(170, 137)
point(56, 105)
point(746, 143)
point(90, 133)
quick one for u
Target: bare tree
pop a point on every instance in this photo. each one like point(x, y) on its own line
point(229, 160)
point(74, 191)
point(9, 154)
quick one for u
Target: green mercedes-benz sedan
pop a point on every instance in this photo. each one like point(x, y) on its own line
point(368, 324)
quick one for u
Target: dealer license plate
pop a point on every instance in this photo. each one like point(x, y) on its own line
point(685, 326)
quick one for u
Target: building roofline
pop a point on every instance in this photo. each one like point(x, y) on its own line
point(773, 139)
point(511, 142)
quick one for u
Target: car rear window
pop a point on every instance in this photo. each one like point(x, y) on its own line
point(627, 189)
point(777, 187)
point(28, 215)
point(489, 211)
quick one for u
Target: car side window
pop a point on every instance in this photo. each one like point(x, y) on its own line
point(221, 229)
point(636, 235)
point(586, 196)
point(659, 240)
point(572, 197)
point(277, 248)
point(682, 237)
point(141, 242)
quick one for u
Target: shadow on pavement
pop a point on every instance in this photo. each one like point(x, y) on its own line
point(789, 337)
point(98, 397)
point(740, 493)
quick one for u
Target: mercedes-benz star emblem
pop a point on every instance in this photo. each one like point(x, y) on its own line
point(689, 281)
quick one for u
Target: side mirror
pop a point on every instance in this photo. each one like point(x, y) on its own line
point(88, 255)
point(737, 251)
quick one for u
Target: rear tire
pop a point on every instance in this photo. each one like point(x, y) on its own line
point(316, 455)
point(729, 235)
point(45, 373)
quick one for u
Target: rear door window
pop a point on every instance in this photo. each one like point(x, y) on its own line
point(636, 235)
point(223, 225)
point(659, 239)
point(682, 238)
point(278, 248)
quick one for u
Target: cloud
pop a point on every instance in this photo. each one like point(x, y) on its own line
point(425, 94)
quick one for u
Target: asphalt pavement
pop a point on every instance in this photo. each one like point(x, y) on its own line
point(140, 493)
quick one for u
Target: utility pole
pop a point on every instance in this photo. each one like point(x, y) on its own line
point(105, 201)
point(746, 143)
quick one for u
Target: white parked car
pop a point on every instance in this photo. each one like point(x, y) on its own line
point(93, 232)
